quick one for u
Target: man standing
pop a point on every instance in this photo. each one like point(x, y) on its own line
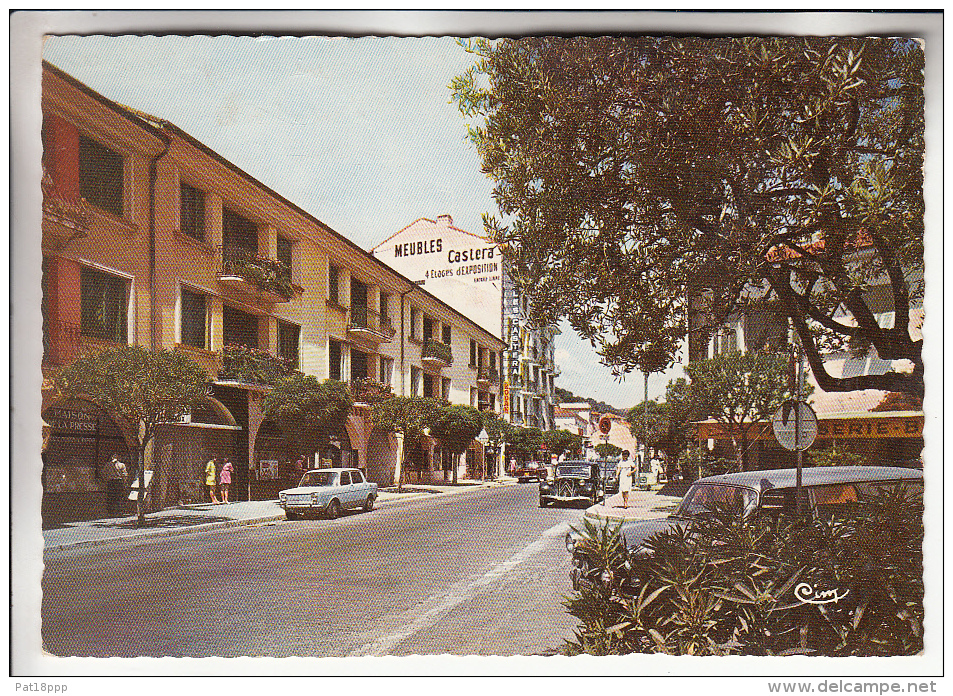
point(115, 475)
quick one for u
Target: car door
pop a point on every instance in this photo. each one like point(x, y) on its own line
point(360, 487)
point(346, 491)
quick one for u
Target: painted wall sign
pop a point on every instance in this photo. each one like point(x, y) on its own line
point(831, 429)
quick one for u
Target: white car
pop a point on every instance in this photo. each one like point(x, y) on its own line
point(328, 491)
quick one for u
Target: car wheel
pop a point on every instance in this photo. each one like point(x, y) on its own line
point(521, 480)
point(543, 503)
point(369, 503)
point(334, 509)
point(292, 515)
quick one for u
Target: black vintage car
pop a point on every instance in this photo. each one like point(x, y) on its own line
point(575, 481)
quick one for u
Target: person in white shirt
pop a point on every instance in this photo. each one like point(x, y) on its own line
point(624, 472)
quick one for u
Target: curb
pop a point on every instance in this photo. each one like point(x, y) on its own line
point(208, 526)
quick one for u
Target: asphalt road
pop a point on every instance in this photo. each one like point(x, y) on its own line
point(477, 573)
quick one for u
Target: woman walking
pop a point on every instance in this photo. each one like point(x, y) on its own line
point(225, 479)
point(624, 472)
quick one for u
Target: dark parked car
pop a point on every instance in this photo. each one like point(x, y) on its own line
point(573, 481)
point(750, 492)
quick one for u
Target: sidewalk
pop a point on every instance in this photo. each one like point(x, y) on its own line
point(187, 519)
point(643, 505)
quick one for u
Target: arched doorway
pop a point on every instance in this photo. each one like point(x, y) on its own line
point(273, 471)
point(82, 438)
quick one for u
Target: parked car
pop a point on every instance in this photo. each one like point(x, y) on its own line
point(751, 493)
point(573, 481)
point(531, 470)
point(328, 492)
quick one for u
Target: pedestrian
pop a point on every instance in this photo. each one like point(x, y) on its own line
point(210, 480)
point(115, 474)
point(225, 479)
point(624, 472)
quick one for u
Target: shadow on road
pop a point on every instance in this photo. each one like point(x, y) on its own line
point(164, 522)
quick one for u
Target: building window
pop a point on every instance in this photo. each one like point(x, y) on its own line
point(445, 389)
point(100, 175)
point(415, 323)
point(334, 359)
point(446, 334)
point(387, 370)
point(239, 328)
point(384, 301)
point(473, 353)
point(415, 379)
point(334, 284)
point(284, 255)
point(194, 319)
point(288, 335)
point(104, 303)
point(358, 365)
point(192, 212)
point(428, 328)
point(238, 232)
point(431, 386)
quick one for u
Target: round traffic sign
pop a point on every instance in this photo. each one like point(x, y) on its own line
point(795, 425)
point(605, 425)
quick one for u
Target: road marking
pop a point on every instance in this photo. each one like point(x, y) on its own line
point(459, 593)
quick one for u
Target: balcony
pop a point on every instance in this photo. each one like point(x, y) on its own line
point(65, 218)
point(252, 366)
point(369, 391)
point(256, 276)
point(365, 323)
point(487, 377)
point(436, 354)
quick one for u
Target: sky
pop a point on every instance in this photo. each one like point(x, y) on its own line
point(359, 132)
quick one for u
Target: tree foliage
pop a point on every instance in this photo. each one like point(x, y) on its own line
point(146, 389)
point(741, 391)
point(524, 443)
point(456, 425)
point(636, 174)
point(308, 410)
point(561, 442)
point(607, 449)
point(408, 415)
point(666, 425)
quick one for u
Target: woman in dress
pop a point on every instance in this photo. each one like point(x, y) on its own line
point(225, 479)
point(624, 472)
point(210, 480)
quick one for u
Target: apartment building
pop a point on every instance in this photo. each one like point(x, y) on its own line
point(468, 272)
point(150, 237)
point(887, 427)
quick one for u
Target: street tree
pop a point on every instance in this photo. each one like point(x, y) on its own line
point(607, 449)
point(524, 443)
point(309, 411)
point(559, 442)
point(145, 389)
point(455, 425)
point(636, 176)
point(411, 416)
point(667, 425)
point(741, 391)
point(496, 431)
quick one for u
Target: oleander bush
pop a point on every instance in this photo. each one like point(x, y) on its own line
point(730, 586)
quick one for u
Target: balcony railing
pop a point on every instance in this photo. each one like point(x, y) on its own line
point(68, 216)
point(369, 391)
point(369, 324)
point(252, 366)
point(437, 353)
point(256, 274)
point(487, 376)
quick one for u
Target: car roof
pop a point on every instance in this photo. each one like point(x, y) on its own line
point(335, 469)
point(813, 476)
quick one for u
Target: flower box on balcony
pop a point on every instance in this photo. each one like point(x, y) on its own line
point(487, 376)
point(252, 366)
point(268, 278)
point(436, 353)
point(369, 391)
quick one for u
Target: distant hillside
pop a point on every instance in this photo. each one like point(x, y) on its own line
point(566, 396)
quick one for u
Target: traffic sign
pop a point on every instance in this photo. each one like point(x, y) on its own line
point(795, 425)
point(605, 425)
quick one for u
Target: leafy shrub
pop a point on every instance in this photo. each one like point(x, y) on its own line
point(727, 585)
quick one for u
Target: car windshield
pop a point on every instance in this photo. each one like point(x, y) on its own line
point(702, 497)
point(572, 471)
point(319, 478)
